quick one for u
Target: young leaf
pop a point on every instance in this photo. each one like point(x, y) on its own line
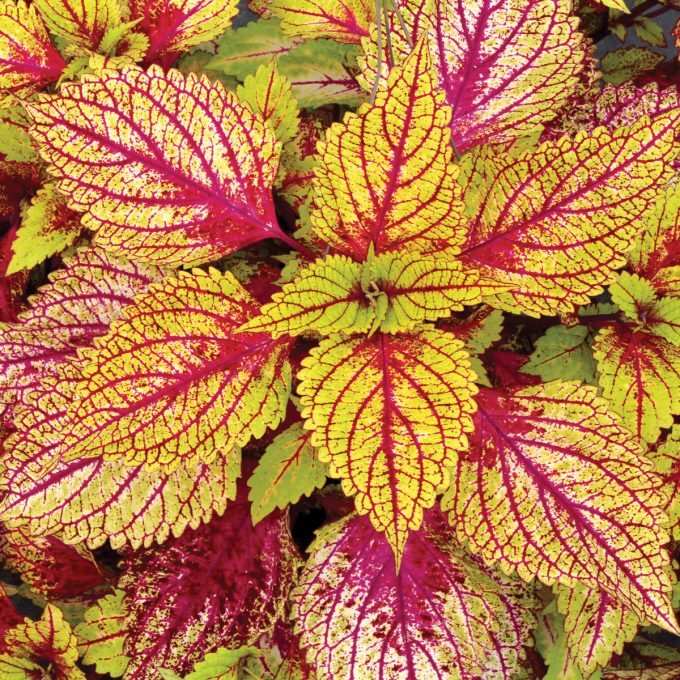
point(388, 414)
point(173, 26)
point(505, 67)
point(222, 585)
point(161, 182)
point(288, 470)
point(572, 203)
point(596, 626)
point(95, 500)
point(554, 488)
point(628, 63)
point(385, 176)
point(75, 307)
point(640, 375)
point(444, 614)
point(563, 353)
point(28, 61)
point(102, 634)
point(80, 22)
point(346, 21)
point(174, 383)
point(270, 95)
point(48, 226)
point(47, 641)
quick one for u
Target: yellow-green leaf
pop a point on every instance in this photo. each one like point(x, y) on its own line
point(628, 63)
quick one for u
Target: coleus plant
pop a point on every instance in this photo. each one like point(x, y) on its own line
point(404, 274)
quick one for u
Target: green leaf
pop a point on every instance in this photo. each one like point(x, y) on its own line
point(628, 63)
point(649, 31)
point(220, 665)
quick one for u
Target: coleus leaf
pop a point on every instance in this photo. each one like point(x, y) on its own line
point(102, 633)
point(288, 470)
point(596, 626)
point(77, 305)
point(388, 414)
point(574, 202)
point(640, 376)
point(387, 291)
point(224, 664)
point(28, 61)
point(553, 487)
point(221, 585)
point(342, 20)
point(664, 672)
point(18, 181)
point(95, 500)
point(442, 615)
point(385, 177)
point(270, 95)
point(500, 84)
point(174, 383)
point(173, 26)
point(9, 617)
point(48, 226)
point(80, 23)
point(563, 353)
point(16, 143)
point(666, 459)
point(628, 63)
point(160, 182)
point(47, 641)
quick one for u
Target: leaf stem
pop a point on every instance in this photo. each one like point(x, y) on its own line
point(378, 72)
point(402, 23)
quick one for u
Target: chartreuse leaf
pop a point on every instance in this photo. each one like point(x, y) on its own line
point(224, 584)
point(173, 26)
point(500, 88)
point(388, 413)
point(653, 254)
point(563, 353)
point(48, 226)
point(628, 63)
point(15, 141)
point(384, 176)
point(161, 181)
point(640, 376)
point(666, 459)
point(553, 222)
point(83, 23)
point(620, 5)
point(637, 299)
point(174, 383)
point(289, 469)
point(342, 20)
point(102, 634)
point(356, 614)
point(224, 664)
point(47, 641)
point(270, 95)
point(553, 487)
point(28, 60)
point(595, 624)
point(338, 294)
point(95, 500)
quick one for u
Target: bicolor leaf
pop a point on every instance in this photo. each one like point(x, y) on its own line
point(174, 383)
point(224, 664)
point(444, 614)
point(666, 459)
point(504, 67)
point(553, 222)
point(628, 63)
point(222, 585)
point(159, 181)
point(16, 144)
point(553, 487)
point(640, 375)
point(48, 226)
point(28, 60)
point(102, 634)
point(288, 469)
point(385, 176)
point(389, 414)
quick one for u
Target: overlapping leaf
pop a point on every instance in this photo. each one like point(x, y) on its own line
point(553, 222)
point(505, 67)
point(443, 615)
point(554, 487)
point(161, 181)
point(230, 591)
point(75, 307)
point(640, 376)
point(388, 414)
point(666, 459)
point(385, 176)
point(174, 26)
point(28, 61)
